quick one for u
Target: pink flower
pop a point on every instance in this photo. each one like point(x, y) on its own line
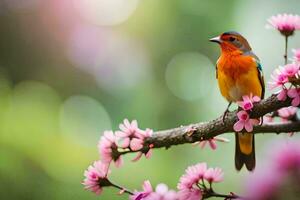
point(161, 192)
point(290, 70)
point(107, 145)
point(279, 79)
point(190, 194)
point(96, 177)
point(193, 174)
point(128, 130)
point(147, 133)
point(287, 112)
point(130, 136)
point(296, 55)
point(214, 175)
point(294, 94)
point(263, 184)
point(287, 157)
point(247, 103)
point(281, 171)
point(148, 154)
point(212, 142)
point(244, 122)
point(187, 185)
point(268, 119)
point(147, 190)
point(282, 95)
point(136, 144)
point(285, 23)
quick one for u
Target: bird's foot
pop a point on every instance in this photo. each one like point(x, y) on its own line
point(225, 113)
point(224, 116)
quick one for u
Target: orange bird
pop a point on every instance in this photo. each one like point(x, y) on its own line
point(239, 73)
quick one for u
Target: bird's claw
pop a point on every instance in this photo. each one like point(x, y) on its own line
point(224, 116)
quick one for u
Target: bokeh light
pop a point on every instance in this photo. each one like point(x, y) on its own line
point(116, 61)
point(189, 75)
point(103, 12)
point(32, 109)
point(83, 119)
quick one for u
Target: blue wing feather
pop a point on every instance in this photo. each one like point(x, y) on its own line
point(261, 78)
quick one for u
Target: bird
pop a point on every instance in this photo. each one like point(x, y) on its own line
point(239, 73)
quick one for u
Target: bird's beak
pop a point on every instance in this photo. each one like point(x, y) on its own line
point(216, 39)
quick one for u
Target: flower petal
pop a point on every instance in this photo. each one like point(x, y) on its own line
point(248, 126)
point(238, 126)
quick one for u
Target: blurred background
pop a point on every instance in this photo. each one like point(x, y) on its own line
point(70, 69)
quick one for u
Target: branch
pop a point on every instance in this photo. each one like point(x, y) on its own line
point(206, 130)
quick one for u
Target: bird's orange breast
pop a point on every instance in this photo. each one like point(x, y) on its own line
point(238, 76)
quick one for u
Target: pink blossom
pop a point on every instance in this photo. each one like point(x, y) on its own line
point(130, 136)
point(287, 157)
point(285, 23)
point(263, 184)
point(247, 103)
point(147, 190)
point(287, 112)
point(212, 142)
point(190, 194)
point(294, 94)
point(268, 119)
point(280, 172)
point(107, 145)
point(214, 175)
point(279, 79)
point(136, 144)
point(139, 155)
point(282, 95)
point(296, 55)
point(290, 70)
point(96, 177)
point(187, 185)
point(129, 129)
point(244, 122)
point(161, 192)
point(193, 174)
point(147, 133)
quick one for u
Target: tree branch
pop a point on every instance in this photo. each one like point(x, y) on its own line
point(206, 130)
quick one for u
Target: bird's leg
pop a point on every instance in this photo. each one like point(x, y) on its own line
point(226, 111)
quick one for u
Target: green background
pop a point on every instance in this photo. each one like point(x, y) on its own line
point(65, 77)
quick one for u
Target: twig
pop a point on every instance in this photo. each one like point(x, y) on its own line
point(285, 50)
point(122, 189)
point(211, 193)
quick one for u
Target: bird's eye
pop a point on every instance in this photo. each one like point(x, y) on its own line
point(231, 39)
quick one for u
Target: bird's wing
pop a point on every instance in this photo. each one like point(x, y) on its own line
point(261, 78)
point(216, 71)
point(259, 70)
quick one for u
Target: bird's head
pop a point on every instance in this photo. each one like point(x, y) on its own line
point(232, 41)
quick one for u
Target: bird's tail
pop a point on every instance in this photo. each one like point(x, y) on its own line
point(244, 151)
